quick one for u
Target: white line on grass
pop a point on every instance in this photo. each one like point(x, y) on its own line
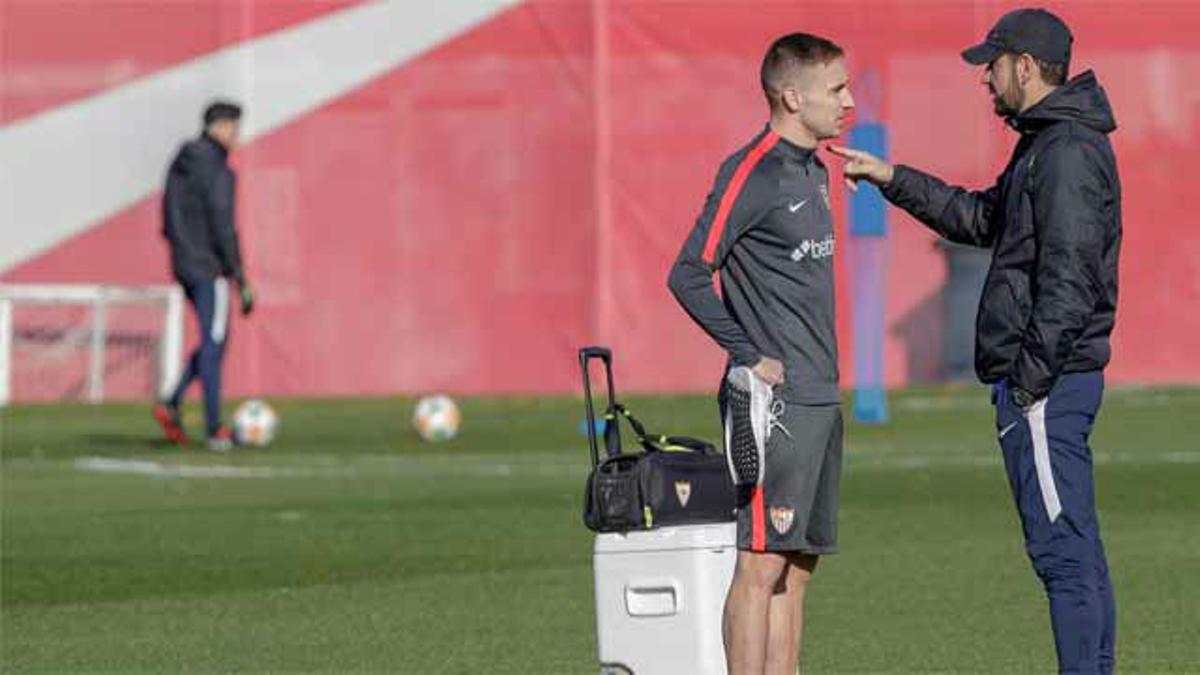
point(867, 459)
point(533, 466)
point(370, 467)
point(160, 470)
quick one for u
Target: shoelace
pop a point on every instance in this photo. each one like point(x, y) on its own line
point(777, 408)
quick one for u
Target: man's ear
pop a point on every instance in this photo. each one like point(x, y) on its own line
point(1026, 69)
point(791, 100)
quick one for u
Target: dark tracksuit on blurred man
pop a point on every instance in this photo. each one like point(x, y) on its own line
point(198, 225)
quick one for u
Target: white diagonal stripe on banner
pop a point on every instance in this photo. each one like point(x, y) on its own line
point(69, 168)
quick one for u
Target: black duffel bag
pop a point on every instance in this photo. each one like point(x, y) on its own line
point(672, 480)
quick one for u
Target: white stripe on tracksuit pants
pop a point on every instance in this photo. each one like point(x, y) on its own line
point(210, 302)
point(1049, 467)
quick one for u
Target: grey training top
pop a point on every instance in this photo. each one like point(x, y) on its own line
point(767, 228)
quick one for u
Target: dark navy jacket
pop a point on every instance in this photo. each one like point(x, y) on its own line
point(198, 214)
point(1053, 222)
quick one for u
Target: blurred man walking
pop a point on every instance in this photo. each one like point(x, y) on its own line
point(198, 224)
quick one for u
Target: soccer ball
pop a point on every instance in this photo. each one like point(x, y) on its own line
point(255, 423)
point(436, 418)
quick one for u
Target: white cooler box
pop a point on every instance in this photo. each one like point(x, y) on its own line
point(659, 598)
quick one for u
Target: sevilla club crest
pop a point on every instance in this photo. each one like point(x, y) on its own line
point(781, 518)
point(683, 490)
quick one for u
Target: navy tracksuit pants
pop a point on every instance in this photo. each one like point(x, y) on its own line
point(210, 301)
point(1049, 466)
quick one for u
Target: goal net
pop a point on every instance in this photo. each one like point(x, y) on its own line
point(61, 342)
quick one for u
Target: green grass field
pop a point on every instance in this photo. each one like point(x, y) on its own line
point(350, 546)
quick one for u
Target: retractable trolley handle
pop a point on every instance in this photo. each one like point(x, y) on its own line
point(612, 436)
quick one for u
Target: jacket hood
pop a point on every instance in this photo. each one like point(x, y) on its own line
point(1081, 99)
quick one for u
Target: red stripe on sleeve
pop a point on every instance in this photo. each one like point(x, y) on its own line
point(731, 193)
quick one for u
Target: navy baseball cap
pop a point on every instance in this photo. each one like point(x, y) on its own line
point(1024, 31)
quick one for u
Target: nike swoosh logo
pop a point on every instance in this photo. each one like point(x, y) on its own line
point(797, 206)
point(1007, 429)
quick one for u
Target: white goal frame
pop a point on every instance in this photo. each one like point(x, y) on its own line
point(98, 297)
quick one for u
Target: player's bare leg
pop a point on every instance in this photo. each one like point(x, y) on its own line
point(787, 615)
point(747, 610)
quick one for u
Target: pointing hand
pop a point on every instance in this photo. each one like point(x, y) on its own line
point(860, 164)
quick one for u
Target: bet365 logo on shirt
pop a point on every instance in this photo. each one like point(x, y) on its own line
point(812, 249)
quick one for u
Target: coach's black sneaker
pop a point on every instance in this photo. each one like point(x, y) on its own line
point(221, 440)
point(171, 422)
point(747, 425)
